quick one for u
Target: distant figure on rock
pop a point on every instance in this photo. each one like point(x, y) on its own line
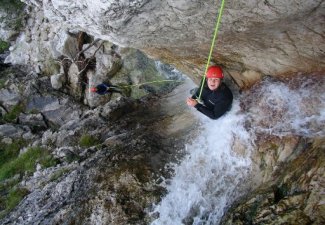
point(216, 96)
point(105, 88)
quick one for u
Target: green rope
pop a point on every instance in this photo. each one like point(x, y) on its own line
point(150, 82)
point(212, 44)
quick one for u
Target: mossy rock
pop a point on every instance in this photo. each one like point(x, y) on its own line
point(4, 46)
point(14, 14)
point(141, 73)
point(87, 141)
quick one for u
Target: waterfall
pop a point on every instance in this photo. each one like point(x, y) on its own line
point(214, 171)
point(206, 180)
point(287, 107)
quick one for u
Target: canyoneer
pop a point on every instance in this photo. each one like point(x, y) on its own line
point(214, 98)
point(106, 88)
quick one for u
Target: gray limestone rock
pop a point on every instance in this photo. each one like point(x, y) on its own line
point(36, 121)
point(9, 98)
point(57, 80)
point(11, 131)
point(262, 36)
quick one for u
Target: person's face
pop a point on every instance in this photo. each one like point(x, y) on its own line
point(213, 83)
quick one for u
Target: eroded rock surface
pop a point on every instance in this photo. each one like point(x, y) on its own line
point(113, 181)
point(266, 37)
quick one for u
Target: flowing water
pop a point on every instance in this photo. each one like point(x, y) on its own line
point(214, 171)
point(287, 107)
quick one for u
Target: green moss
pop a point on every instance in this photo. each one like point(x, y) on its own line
point(2, 82)
point(14, 197)
point(12, 164)
point(26, 163)
point(10, 151)
point(33, 111)
point(47, 160)
point(3, 46)
point(15, 10)
point(72, 157)
point(11, 5)
point(144, 73)
point(11, 200)
point(87, 141)
point(12, 115)
point(56, 175)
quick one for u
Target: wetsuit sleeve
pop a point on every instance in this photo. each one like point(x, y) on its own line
point(101, 89)
point(217, 111)
point(209, 113)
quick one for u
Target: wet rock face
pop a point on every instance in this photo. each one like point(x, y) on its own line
point(293, 196)
point(11, 14)
point(262, 36)
point(112, 181)
point(289, 158)
point(109, 158)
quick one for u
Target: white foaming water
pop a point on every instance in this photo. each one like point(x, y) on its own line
point(283, 110)
point(212, 174)
point(208, 178)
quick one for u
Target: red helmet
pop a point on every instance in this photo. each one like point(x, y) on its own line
point(214, 72)
point(93, 89)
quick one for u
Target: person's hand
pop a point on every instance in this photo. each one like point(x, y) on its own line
point(191, 102)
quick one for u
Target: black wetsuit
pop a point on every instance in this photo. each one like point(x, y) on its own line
point(105, 88)
point(216, 103)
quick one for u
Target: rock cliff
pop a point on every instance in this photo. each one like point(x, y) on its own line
point(107, 151)
point(256, 37)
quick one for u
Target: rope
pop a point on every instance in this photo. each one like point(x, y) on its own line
point(212, 44)
point(150, 82)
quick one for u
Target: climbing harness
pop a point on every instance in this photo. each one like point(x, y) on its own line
point(212, 45)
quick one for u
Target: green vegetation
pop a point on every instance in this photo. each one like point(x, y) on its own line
point(3, 46)
point(9, 152)
point(26, 163)
point(72, 157)
point(56, 175)
point(87, 141)
point(16, 24)
point(11, 5)
point(15, 8)
point(14, 197)
point(13, 163)
point(11, 199)
point(12, 115)
point(2, 83)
